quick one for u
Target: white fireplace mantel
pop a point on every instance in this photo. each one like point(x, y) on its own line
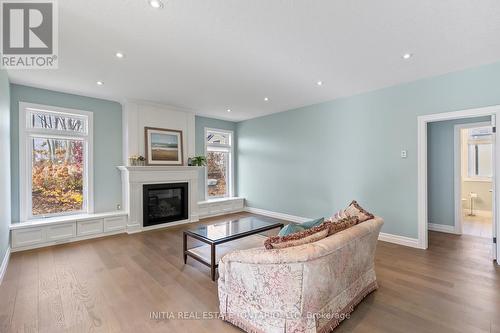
point(133, 179)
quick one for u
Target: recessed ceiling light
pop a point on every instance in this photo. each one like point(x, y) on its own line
point(266, 99)
point(228, 110)
point(319, 83)
point(407, 56)
point(157, 4)
point(100, 83)
point(119, 55)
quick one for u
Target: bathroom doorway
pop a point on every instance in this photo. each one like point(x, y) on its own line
point(475, 147)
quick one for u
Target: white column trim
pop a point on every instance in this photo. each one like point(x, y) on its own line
point(5, 263)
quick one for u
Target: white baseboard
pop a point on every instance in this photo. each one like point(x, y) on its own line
point(276, 215)
point(450, 229)
point(400, 240)
point(5, 262)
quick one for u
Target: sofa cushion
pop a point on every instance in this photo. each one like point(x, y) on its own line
point(299, 238)
point(291, 229)
point(354, 209)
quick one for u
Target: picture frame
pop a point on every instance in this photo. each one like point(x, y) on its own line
point(163, 146)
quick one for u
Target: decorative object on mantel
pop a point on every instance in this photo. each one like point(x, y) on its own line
point(163, 146)
point(136, 160)
point(197, 161)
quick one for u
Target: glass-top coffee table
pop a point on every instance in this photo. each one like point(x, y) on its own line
point(224, 232)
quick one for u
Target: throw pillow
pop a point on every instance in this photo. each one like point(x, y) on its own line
point(342, 224)
point(354, 209)
point(299, 238)
point(313, 223)
point(291, 229)
point(339, 215)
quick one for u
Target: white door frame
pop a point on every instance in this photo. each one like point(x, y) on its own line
point(458, 170)
point(422, 214)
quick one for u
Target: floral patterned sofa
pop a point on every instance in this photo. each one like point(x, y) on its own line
point(306, 288)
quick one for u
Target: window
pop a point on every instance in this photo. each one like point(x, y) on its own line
point(479, 153)
point(55, 154)
point(219, 152)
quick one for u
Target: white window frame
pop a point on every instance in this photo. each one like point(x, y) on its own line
point(466, 161)
point(25, 151)
point(230, 147)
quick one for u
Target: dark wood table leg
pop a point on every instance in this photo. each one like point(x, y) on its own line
point(212, 262)
point(184, 247)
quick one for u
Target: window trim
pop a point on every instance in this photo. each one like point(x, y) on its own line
point(25, 212)
point(231, 160)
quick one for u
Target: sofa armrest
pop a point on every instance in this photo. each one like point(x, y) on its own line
point(268, 295)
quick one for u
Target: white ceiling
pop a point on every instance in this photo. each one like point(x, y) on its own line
point(209, 56)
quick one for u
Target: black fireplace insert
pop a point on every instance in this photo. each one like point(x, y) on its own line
point(164, 203)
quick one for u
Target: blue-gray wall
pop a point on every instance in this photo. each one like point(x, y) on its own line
point(313, 160)
point(5, 164)
point(201, 123)
point(107, 142)
point(440, 169)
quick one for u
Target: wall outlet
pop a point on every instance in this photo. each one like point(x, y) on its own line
point(404, 153)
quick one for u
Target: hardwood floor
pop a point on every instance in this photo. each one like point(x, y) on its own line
point(479, 226)
point(112, 284)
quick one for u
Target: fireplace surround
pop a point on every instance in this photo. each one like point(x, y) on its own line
point(135, 178)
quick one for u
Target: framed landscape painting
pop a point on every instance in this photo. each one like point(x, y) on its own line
point(163, 146)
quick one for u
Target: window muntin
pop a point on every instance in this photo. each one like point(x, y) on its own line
point(218, 138)
point(219, 153)
point(55, 168)
point(56, 121)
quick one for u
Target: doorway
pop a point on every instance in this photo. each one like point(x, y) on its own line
point(474, 179)
point(422, 170)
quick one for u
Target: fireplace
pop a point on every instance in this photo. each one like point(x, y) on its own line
point(164, 203)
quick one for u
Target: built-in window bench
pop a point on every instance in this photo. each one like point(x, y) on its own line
point(64, 229)
point(220, 206)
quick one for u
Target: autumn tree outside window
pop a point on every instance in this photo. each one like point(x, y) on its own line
point(55, 159)
point(219, 170)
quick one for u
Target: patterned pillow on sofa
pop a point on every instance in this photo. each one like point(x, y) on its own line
point(354, 209)
point(341, 214)
point(342, 224)
point(299, 238)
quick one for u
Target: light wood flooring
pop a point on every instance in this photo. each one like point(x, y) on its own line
point(479, 226)
point(112, 284)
